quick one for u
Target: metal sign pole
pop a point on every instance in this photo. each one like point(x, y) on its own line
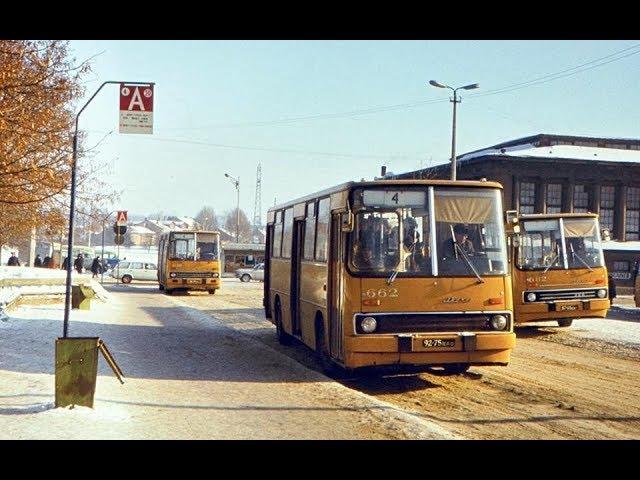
point(67, 294)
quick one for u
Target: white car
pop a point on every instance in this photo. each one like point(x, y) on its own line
point(248, 274)
point(128, 271)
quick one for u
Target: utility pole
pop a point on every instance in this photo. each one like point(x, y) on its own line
point(236, 183)
point(455, 100)
point(257, 206)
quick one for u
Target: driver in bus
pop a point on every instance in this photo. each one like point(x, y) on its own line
point(461, 234)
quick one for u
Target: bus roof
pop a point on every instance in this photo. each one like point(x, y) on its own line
point(388, 183)
point(215, 232)
point(542, 216)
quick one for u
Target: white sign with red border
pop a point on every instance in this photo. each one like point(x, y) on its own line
point(136, 108)
point(121, 218)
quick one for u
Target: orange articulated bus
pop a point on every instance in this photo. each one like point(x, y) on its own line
point(393, 272)
point(189, 260)
point(558, 268)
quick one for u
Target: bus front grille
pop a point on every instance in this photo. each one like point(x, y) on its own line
point(426, 323)
point(554, 295)
point(193, 275)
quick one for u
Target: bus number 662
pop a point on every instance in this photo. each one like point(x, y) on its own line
point(380, 293)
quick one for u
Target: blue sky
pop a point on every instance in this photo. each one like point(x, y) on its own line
point(244, 102)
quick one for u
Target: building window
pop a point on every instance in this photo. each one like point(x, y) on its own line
point(580, 199)
point(607, 202)
point(527, 197)
point(554, 198)
point(621, 266)
point(632, 221)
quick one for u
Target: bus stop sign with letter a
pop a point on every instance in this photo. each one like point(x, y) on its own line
point(136, 108)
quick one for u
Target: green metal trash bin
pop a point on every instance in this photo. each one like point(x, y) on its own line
point(81, 296)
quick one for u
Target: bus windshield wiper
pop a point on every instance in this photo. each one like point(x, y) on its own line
point(553, 260)
point(468, 262)
point(457, 248)
point(394, 274)
point(573, 253)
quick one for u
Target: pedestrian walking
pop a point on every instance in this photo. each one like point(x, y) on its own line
point(79, 263)
point(13, 260)
point(65, 264)
point(46, 263)
point(37, 262)
point(96, 267)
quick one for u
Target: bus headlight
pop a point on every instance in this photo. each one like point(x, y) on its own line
point(499, 322)
point(601, 293)
point(531, 297)
point(173, 274)
point(368, 324)
point(215, 275)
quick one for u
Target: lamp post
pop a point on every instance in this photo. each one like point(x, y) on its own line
point(454, 100)
point(236, 183)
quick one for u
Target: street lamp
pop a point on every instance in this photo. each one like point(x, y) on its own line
point(454, 100)
point(236, 183)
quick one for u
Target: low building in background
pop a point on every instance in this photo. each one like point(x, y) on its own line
point(241, 255)
point(560, 173)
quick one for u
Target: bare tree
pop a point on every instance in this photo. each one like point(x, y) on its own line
point(245, 225)
point(207, 219)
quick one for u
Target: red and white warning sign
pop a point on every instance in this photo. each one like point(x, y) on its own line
point(136, 108)
point(121, 218)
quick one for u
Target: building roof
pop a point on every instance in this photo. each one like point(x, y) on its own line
point(570, 147)
point(632, 246)
point(140, 230)
point(252, 247)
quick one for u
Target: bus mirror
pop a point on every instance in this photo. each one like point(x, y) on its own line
point(511, 216)
point(347, 222)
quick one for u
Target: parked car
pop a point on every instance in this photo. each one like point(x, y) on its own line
point(128, 271)
point(248, 274)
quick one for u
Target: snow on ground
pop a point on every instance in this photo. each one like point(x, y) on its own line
point(187, 375)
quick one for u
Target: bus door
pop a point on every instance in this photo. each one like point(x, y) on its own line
point(266, 300)
point(296, 257)
point(335, 286)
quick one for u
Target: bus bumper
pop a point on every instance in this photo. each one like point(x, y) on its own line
point(543, 311)
point(189, 283)
point(420, 349)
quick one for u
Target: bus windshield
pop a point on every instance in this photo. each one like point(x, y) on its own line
point(182, 246)
point(560, 244)
point(207, 247)
point(459, 233)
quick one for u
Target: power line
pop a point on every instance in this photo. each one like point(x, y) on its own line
point(267, 149)
point(403, 106)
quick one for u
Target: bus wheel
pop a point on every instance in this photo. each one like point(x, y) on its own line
point(283, 337)
point(455, 368)
point(126, 279)
point(245, 278)
point(161, 287)
point(212, 291)
point(565, 322)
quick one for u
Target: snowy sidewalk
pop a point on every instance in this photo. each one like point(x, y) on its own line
point(187, 376)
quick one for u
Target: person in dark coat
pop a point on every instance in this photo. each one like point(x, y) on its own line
point(13, 260)
point(78, 263)
point(46, 263)
point(96, 267)
point(38, 261)
point(65, 264)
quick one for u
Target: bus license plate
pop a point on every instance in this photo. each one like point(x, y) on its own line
point(438, 342)
point(194, 280)
point(570, 307)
